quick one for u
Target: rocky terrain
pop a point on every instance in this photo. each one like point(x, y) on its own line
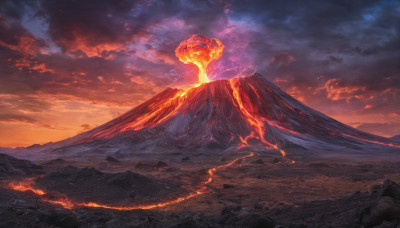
point(229, 153)
point(260, 191)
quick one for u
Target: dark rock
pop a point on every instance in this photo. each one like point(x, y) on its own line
point(258, 161)
point(385, 209)
point(11, 167)
point(161, 164)
point(187, 224)
point(227, 186)
point(228, 218)
point(255, 221)
point(141, 165)
point(396, 138)
point(111, 159)
point(231, 209)
point(276, 161)
point(57, 161)
point(258, 206)
point(59, 220)
point(89, 184)
point(318, 165)
point(391, 189)
point(367, 177)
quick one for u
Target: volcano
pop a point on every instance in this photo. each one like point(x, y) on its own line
point(248, 113)
point(216, 144)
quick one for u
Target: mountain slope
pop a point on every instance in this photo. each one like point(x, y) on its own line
point(225, 114)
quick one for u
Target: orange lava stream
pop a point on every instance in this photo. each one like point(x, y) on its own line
point(253, 121)
point(280, 127)
point(373, 141)
point(139, 123)
point(27, 185)
point(146, 121)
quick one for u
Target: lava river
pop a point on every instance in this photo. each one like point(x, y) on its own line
point(28, 185)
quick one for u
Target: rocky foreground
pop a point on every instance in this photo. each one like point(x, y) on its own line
point(377, 207)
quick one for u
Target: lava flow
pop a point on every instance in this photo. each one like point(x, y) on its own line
point(151, 118)
point(372, 141)
point(200, 51)
point(27, 185)
point(255, 122)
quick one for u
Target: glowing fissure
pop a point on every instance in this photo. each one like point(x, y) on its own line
point(177, 100)
point(27, 185)
point(141, 122)
point(256, 123)
point(372, 141)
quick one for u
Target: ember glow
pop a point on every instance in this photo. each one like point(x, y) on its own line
point(373, 141)
point(200, 51)
point(254, 121)
point(28, 185)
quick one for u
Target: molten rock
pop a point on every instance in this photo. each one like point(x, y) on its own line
point(200, 51)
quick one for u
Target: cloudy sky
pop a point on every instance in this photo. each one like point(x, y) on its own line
point(68, 66)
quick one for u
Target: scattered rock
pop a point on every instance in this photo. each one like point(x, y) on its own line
point(385, 209)
point(111, 159)
point(255, 221)
point(227, 186)
point(58, 219)
point(391, 189)
point(12, 167)
point(276, 161)
point(89, 184)
point(141, 165)
point(161, 164)
point(258, 161)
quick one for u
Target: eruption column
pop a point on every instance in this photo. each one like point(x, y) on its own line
point(200, 51)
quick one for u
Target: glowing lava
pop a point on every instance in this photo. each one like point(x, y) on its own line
point(153, 117)
point(372, 141)
point(254, 121)
point(200, 51)
point(28, 185)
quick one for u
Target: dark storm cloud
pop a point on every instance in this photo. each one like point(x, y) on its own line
point(110, 25)
point(357, 42)
point(326, 53)
point(16, 118)
point(99, 39)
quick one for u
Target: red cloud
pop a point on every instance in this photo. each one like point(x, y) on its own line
point(337, 90)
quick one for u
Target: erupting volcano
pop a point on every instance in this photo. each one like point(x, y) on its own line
point(240, 117)
point(240, 113)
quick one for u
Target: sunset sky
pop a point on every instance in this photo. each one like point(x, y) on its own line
point(68, 66)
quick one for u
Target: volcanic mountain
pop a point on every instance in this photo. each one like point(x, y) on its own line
point(240, 113)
